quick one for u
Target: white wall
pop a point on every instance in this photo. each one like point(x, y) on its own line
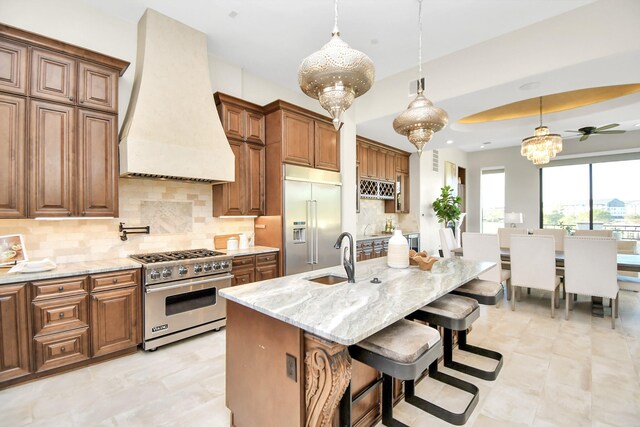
point(429, 185)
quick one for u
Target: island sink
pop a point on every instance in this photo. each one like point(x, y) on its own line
point(329, 279)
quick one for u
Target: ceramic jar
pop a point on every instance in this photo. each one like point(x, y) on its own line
point(398, 254)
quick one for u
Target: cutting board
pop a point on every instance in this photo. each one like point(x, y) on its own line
point(220, 240)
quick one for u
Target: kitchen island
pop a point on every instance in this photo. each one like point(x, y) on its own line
point(287, 359)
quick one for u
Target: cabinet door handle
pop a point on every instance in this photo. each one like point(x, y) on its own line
point(60, 288)
point(114, 281)
point(71, 98)
point(61, 315)
point(62, 349)
point(68, 213)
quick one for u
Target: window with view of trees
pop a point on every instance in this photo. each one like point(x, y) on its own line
point(593, 197)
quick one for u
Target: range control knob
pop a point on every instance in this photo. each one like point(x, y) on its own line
point(224, 264)
point(154, 275)
point(217, 266)
point(207, 267)
point(166, 273)
point(197, 268)
point(183, 270)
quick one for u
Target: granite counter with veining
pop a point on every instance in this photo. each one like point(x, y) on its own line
point(349, 312)
point(251, 250)
point(70, 269)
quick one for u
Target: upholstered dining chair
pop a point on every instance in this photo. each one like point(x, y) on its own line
point(558, 234)
point(485, 247)
point(533, 265)
point(593, 233)
point(447, 242)
point(590, 267)
point(504, 234)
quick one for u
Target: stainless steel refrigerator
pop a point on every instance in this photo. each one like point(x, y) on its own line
point(312, 218)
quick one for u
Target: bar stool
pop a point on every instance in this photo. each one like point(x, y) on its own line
point(457, 313)
point(404, 351)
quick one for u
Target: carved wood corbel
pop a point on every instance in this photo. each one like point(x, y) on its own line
point(327, 375)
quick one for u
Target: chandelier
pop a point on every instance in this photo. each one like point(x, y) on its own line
point(421, 119)
point(542, 146)
point(336, 74)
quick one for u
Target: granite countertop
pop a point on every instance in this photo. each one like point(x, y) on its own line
point(346, 313)
point(70, 269)
point(252, 250)
point(360, 237)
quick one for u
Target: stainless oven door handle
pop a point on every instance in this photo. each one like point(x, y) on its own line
point(182, 285)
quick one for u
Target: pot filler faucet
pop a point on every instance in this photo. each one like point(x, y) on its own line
point(349, 265)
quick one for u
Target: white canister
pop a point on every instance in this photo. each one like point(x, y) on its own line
point(398, 254)
point(232, 244)
point(244, 241)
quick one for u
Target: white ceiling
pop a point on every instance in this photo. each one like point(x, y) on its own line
point(269, 38)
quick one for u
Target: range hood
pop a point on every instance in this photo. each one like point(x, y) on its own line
point(172, 129)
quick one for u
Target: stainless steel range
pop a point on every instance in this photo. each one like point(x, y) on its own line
point(180, 296)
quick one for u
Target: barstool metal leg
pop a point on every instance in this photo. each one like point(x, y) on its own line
point(387, 403)
point(463, 346)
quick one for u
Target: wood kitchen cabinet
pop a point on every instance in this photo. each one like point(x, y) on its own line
point(253, 268)
point(243, 123)
point(301, 137)
point(49, 326)
point(378, 161)
point(15, 336)
point(13, 67)
point(71, 110)
point(12, 156)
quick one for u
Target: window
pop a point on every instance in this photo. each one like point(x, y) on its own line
point(491, 200)
point(598, 196)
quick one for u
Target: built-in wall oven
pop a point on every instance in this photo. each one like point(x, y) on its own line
point(180, 294)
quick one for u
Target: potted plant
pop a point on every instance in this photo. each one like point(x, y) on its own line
point(447, 207)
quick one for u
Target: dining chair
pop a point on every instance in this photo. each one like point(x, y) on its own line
point(504, 234)
point(447, 242)
point(485, 247)
point(593, 233)
point(558, 234)
point(590, 266)
point(533, 265)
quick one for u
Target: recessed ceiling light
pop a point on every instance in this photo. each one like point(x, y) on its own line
point(450, 141)
point(637, 125)
point(233, 14)
point(482, 146)
point(530, 86)
point(374, 41)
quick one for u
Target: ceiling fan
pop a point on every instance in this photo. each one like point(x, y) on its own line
point(590, 130)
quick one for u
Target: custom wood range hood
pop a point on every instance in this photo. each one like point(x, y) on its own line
point(172, 129)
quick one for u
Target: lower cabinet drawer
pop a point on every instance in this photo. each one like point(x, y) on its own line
point(59, 287)
point(60, 314)
point(56, 350)
point(269, 258)
point(242, 276)
point(118, 279)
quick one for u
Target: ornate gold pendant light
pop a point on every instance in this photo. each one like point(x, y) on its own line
point(542, 146)
point(421, 119)
point(336, 74)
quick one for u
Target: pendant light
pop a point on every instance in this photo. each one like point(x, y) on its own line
point(336, 74)
point(542, 146)
point(421, 119)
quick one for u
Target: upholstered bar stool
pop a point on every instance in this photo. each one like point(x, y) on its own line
point(457, 313)
point(403, 350)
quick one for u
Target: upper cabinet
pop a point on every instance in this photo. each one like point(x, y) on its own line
point(241, 120)
point(243, 124)
point(13, 67)
point(301, 137)
point(70, 105)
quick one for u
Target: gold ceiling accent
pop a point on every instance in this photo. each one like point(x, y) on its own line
point(552, 103)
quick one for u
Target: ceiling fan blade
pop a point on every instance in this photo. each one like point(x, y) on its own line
point(612, 125)
point(609, 131)
point(575, 131)
point(584, 138)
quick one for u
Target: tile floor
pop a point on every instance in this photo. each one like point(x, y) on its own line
point(556, 373)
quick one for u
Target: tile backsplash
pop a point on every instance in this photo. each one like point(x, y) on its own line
point(372, 212)
point(180, 216)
